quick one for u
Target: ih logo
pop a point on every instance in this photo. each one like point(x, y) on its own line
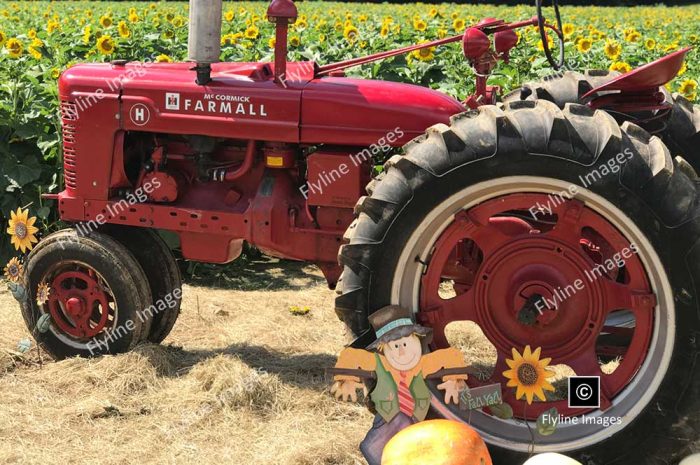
point(172, 101)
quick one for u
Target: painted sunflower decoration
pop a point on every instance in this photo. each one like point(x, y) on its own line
point(42, 293)
point(13, 270)
point(22, 230)
point(529, 374)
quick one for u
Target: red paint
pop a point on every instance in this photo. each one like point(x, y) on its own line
point(282, 13)
point(646, 78)
point(282, 9)
point(515, 262)
point(334, 178)
point(78, 304)
point(359, 112)
point(232, 175)
point(475, 43)
point(504, 42)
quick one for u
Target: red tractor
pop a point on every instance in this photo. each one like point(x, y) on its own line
point(554, 217)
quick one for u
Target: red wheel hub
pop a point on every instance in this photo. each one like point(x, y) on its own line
point(547, 281)
point(78, 303)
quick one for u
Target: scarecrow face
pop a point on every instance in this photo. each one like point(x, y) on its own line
point(405, 353)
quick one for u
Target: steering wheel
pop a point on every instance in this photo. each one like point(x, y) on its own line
point(542, 23)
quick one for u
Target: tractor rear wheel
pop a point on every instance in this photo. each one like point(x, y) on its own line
point(97, 294)
point(511, 207)
point(160, 267)
point(681, 132)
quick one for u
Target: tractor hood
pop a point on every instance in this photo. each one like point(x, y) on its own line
point(361, 112)
point(242, 101)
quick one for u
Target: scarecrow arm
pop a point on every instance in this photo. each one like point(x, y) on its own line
point(354, 360)
point(448, 363)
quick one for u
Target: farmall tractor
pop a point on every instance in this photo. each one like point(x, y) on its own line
point(562, 216)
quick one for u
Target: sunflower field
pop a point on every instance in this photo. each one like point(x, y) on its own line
point(38, 40)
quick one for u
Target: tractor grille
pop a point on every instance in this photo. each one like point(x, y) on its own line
point(69, 117)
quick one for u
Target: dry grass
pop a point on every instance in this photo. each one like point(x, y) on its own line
point(240, 378)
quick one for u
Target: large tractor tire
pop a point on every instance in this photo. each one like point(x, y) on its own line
point(98, 292)
point(681, 132)
point(508, 206)
point(162, 271)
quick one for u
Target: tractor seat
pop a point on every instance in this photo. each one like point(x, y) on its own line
point(647, 78)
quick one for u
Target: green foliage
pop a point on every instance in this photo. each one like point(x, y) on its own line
point(48, 37)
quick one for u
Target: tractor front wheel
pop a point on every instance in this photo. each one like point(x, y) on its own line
point(552, 228)
point(94, 291)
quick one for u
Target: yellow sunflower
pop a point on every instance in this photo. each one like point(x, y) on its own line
point(420, 25)
point(3, 38)
point(229, 15)
point(612, 49)
point(178, 21)
point(458, 25)
point(384, 32)
point(14, 47)
point(688, 88)
point(621, 66)
point(633, 37)
point(52, 26)
point(231, 39)
point(351, 33)
point(22, 230)
point(86, 34)
point(529, 374)
point(163, 58)
point(301, 24)
point(14, 270)
point(252, 32)
point(105, 21)
point(550, 44)
point(584, 45)
point(568, 30)
point(105, 45)
point(650, 44)
point(424, 54)
point(42, 293)
point(123, 29)
point(294, 41)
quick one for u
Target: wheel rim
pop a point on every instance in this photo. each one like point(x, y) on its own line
point(516, 263)
point(81, 304)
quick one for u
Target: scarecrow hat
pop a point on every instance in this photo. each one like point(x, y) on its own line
point(393, 322)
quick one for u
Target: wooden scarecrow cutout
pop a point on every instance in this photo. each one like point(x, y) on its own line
point(397, 362)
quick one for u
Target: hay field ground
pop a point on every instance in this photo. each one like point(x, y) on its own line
point(239, 380)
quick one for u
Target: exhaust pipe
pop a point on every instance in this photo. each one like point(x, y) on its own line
point(204, 41)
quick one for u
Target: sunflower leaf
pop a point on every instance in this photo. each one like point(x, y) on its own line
point(547, 422)
point(44, 323)
point(24, 345)
point(503, 411)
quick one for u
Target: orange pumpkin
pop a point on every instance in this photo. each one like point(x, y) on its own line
point(436, 442)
